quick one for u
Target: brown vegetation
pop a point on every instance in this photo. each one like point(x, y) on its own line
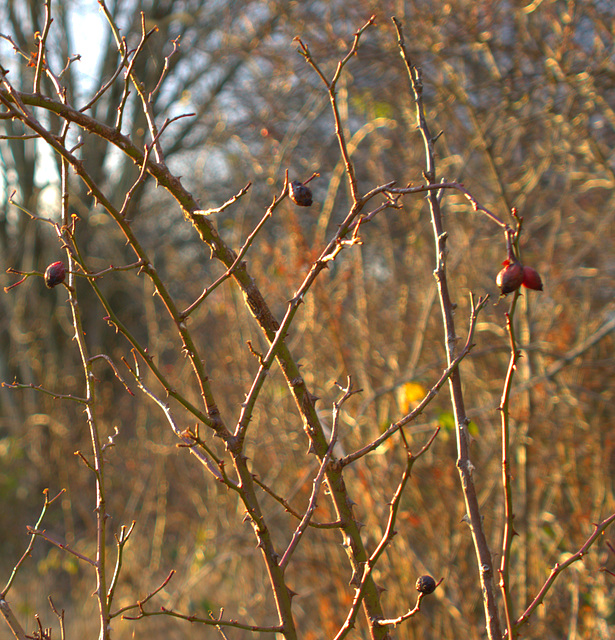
point(306, 356)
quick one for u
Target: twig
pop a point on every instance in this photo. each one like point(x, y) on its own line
point(509, 531)
point(120, 542)
point(41, 533)
point(60, 616)
point(211, 621)
point(384, 542)
point(410, 614)
point(464, 465)
point(293, 512)
point(165, 68)
point(28, 550)
point(148, 597)
point(214, 469)
point(42, 39)
point(431, 394)
point(331, 88)
point(110, 362)
point(303, 525)
point(53, 394)
point(457, 186)
point(559, 567)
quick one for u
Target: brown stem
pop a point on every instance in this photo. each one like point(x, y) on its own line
point(464, 464)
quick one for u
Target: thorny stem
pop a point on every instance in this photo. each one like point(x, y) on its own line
point(559, 567)
point(431, 394)
point(464, 465)
point(30, 544)
point(384, 542)
point(41, 61)
point(274, 332)
point(331, 89)
point(305, 521)
point(91, 402)
point(509, 530)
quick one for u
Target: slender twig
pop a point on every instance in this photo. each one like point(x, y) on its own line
point(303, 525)
point(294, 512)
point(331, 88)
point(110, 362)
point(139, 181)
point(99, 94)
point(42, 39)
point(148, 597)
point(431, 394)
point(384, 542)
point(28, 550)
point(406, 616)
point(41, 533)
point(214, 469)
point(600, 528)
point(206, 621)
point(509, 530)
point(60, 616)
point(457, 186)
point(142, 613)
point(120, 542)
point(53, 394)
point(165, 68)
point(246, 245)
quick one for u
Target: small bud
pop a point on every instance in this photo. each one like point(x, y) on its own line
point(54, 274)
point(300, 194)
point(531, 279)
point(426, 585)
point(510, 277)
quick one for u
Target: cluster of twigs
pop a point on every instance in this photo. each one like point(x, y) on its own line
point(233, 469)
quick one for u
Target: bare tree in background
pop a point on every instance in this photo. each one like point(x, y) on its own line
point(300, 356)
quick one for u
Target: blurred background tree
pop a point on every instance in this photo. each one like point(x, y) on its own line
point(524, 95)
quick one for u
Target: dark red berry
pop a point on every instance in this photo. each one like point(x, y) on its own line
point(531, 279)
point(510, 277)
point(300, 194)
point(54, 274)
point(426, 585)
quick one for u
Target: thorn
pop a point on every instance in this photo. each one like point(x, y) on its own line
point(355, 580)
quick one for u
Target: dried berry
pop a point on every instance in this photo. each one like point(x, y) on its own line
point(531, 279)
point(300, 194)
point(54, 274)
point(510, 277)
point(426, 585)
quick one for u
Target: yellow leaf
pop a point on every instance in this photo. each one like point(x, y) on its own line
point(409, 395)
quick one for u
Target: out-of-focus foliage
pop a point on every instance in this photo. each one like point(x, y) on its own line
point(523, 94)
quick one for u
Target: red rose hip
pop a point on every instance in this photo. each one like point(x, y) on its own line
point(510, 277)
point(531, 279)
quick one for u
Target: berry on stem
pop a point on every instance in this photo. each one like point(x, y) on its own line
point(531, 279)
point(426, 585)
point(54, 274)
point(510, 278)
point(300, 194)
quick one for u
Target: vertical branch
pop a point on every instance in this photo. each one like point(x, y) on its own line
point(524, 489)
point(464, 464)
point(281, 593)
point(40, 60)
point(331, 90)
point(512, 246)
point(91, 400)
point(509, 531)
